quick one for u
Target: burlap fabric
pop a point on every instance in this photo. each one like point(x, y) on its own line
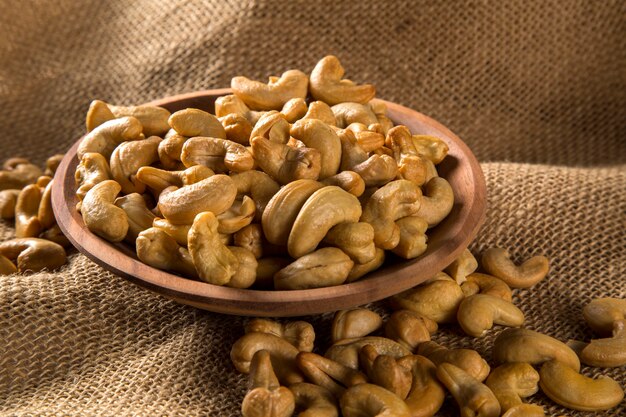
point(537, 89)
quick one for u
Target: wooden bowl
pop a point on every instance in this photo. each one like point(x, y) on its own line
point(446, 241)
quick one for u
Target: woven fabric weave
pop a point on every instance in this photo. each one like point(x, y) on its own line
point(536, 88)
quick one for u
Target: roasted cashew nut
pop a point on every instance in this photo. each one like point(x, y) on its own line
point(473, 397)
point(479, 312)
point(92, 169)
point(179, 232)
point(510, 383)
point(152, 118)
point(6, 266)
point(478, 283)
point(105, 138)
point(323, 268)
point(257, 185)
point(369, 400)
point(327, 373)
point(320, 111)
point(128, 157)
point(346, 351)
point(245, 275)
point(140, 218)
point(195, 122)
point(355, 239)
point(170, 149)
point(8, 200)
point(467, 359)
point(349, 181)
point(358, 322)
point(299, 333)
point(159, 179)
point(238, 216)
point(426, 395)
point(27, 223)
point(327, 85)
point(273, 126)
point(567, 387)
point(413, 237)
point(231, 104)
point(33, 254)
point(601, 313)
point(349, 112)
point(272, 96)
point(318, 135)
point(45, 214)
point(607, 352)
point(437, 201)
point(409, 328)
point(284, 163)
point(430, 147)
point(462, 266)
point(101, 216)
point(53, 163)
point(266, 397)
point(359, 270)
point(385, 371)
point(314, 401)
point(411, 166)
point(497, 262)
point(238, 129)
point(220, 155)
point(97, 114)
point(19, 176)
point(250, 237)
point(159, 250)
point(294, 109)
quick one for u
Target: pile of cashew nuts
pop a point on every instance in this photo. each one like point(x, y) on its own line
point(393, 368)
point(300, 183)
point(25, 198)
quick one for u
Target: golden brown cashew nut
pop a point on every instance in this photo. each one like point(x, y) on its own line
point(409, 328)
point(273, 95)
point(238, 129)
point(238, 216)
point(27, 223)
point(12, 163)
point(355, 239)
point(567, 387)
point(19, 176)
point(358, 322)
point(299, 333)
point(510, 383)
point(359, 270)
point(323, 268)
point(273, 126)
point(324, 209)
point(314, 401)
point(53, 163)
point(8, 200)
point(245, 275)
point(92, 169)
point(524, 345)
point(140, 218)
point(195, 122)
point(6, 266)
point(169, 151)
point(350, 181)
point(437, 201)
point(45, 215)
point(385, 371)
point(294, 109)
point(430, 147)
point(105, 138)
point(412, 237)
point(327, 84)
point(152, 118)
point(410, 165)
point(606, 353)
point(327, 373)
point(216, 194)
point(497, 262)
point(218, 154)
point(478, 283)
point(282, 353)
point(601, 313)
point(462, 266)
point(320, 111)
point(158, 249)
point(369, 400)
point(43, 181)
point(97, 114)
point(346, 351)
point(467, 359)
point(259, 186)
point(426, 395)
point(230, 104)
point(128, 157)
point(160, 179)
point(33, 254)
point(375, 169)
point(266, 397)
point(318, 135)
point(348, 113)
point(397, 199)
point(284, 163)
point(479, 312)
point(250, 237)
point(101, 216)
point(473, 397)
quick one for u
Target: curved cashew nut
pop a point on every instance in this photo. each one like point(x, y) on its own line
point(216, 194)
point(92, 169)
point(45, 214)
point(318, 135)
point(358, 322)
point(6, 266)
point(266, 397)
point(314, 401)
point(430, 147)
point(473, 397)
point(437, 201)
point(409, 328)
point(19, 177)
point(523, 345)
point(467, 359)
point(105, 138)
point(158, 249)
point(412, 237)
point(179, 232)
point(12, 163)
point(238, 216)
point(284, 163)
point(169, 151)
point(320, 111)
point(323, 268)
point(195, 122)
point(101, 216)
point(372, 400)
point(462, 266)
point(282, 354)
point(359, 270)
point(348, 113)
point(385, 371)
point(272, 96)
point(299, 333)
point(437, 300)
point(273, 126)
point(140, 218)
point(608, 352)
point(328, 373)
point(152, 118)
point(567, 387)
point(33, 254)
point(479, 312)
point(160, 179)
point(231, 104)
point(349, 181)
point(478, 283)
point(410, 165)
point(601, 313)
point(324, 209)
point(510, 383)
point(260, 186)
point(53, 163)
point(250, 237)
point(497, 262)
point(238, 129)
point(397, 199)
point(27, 223)
point(346, 351)
point(245, 275)
point(8, 200)
point(128, 157)
point(327, 84)
point(355, 239)
point(97, 114)
point(426, 395)
point(218, 154)
point(294, 109)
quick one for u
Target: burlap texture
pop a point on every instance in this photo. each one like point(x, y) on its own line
point(537, 89)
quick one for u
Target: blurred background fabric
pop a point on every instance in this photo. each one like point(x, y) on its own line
point(537, 89)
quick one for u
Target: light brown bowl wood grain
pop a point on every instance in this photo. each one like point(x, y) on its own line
point(445, 241)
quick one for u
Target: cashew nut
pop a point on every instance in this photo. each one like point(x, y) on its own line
point(608, 352)
point(140, 218)
point(348, 112)
point(328, 373)
point(158, 249)
point(375, 169)
point(524, 345)
point(320, 111)
point(238, 129)
point(92, 169)
point(359, 270)
point(369, 400)
point(177, 231)
point(327, 84)
point(355, 239)
point(8, 200)
point(159, 179)
point(294, 109)
point(195, 122)
point(430, 147)
point(437, 201)
point(426, 395)
point(19, 176)
point(409, 328)
point(323, 268)
point(97, 114)
point(238, 216)
point(101, 216)
point(33, 254)
point(473, 397)
point(266, 397)
point(45, 214)
point(462, 266)
point(284, 163)
point(218, 154)
point(53, 163)
point(601, 313)
point(152, 118)
point(231, 104)
point(314, 401)
point(105, 138)
point(128, 157)
point(272, 96)
point(245, 275)
point(412, 237)
point(250, 237)
point(497, 262)
point(346, 351)
point(299, 333)
point(180, 206)
point(27, 223)
point(6, 266)
point(358, 322)
point(350, 181)
point(510, 383)
point(467, 359)
point(478, 313)
point(273, 126)
point(478, 283)
point(169, 151)
point(567, 387)
point(385, 371)
point(410, 165)
point(318, 135)
point(259, 186)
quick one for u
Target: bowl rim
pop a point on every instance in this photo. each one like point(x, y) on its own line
point(378, 285)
